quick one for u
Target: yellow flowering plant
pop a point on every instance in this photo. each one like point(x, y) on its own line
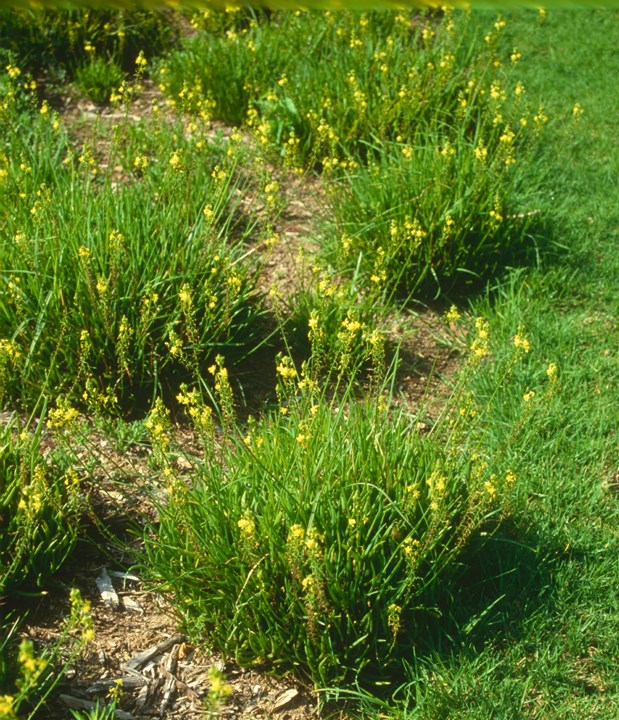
point(39, 511)
point(153, 295)
point(290, 527)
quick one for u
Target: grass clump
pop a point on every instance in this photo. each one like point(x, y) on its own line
point(40, 507)
point(103, 303)
point(319, 538)
point(56, 42)
point(40, 513)
point(419, 125)
point(439, 221)
point(99, 78)
point(27, 676)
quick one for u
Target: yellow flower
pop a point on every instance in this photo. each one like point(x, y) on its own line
point(407, 151)
point(176, 162)
point(308, 582)
point(185, 297)
point(522, 342)
point(6, 706)
point(409, 546)
point(286, 369)
point(490, 488)
point(116, 691)
point(140, 162)
point(541, 118)
point(508, 136)
point(551, 372)
point(481, 153)
point(481, 325)
point(452, 315)
point(510, 477)
point(101, 286)
point(219, 687)
point(246, 526)
point(296, 532)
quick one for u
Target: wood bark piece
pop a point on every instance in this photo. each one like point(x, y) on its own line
point(128, 682)
point(79, 704)
point(143, 657)
point(108, 594)
point(170, 684)
point(284, 699)
point(130, 604)
point(123, 575)
point(142, 697)
point(186, 688)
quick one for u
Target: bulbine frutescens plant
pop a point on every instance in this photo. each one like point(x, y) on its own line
point(110, 284)
point(428, 217)
point(40, 507)
point(417, 120)
point(318, 538)
point(27, 676)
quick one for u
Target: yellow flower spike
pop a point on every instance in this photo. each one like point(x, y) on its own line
point(6, 706)
point(521, 342)
point(452, 315)
point(219, 688)
point(490, 488)
point(481, 153)
point(296, 532)
point(247, 526)
point(175, 161)
point(116, 690)
point(551, 372)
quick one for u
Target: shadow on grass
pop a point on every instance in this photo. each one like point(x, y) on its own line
point(500, 581)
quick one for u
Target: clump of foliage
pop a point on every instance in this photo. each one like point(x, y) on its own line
point(40, 507)
point(419, 126)
point(319, 538)
point(97, 299)
point(58, 42)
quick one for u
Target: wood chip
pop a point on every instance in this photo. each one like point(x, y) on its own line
point(184, 687)
point(170, 669)
point(129, 682)
point(284, 699)
point(123, 575)
point(108, 594)
point(143, 657)
point(132, 606)
point(79, 704)
point(141, 697)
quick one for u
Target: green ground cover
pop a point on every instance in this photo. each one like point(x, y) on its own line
point(424, 563)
